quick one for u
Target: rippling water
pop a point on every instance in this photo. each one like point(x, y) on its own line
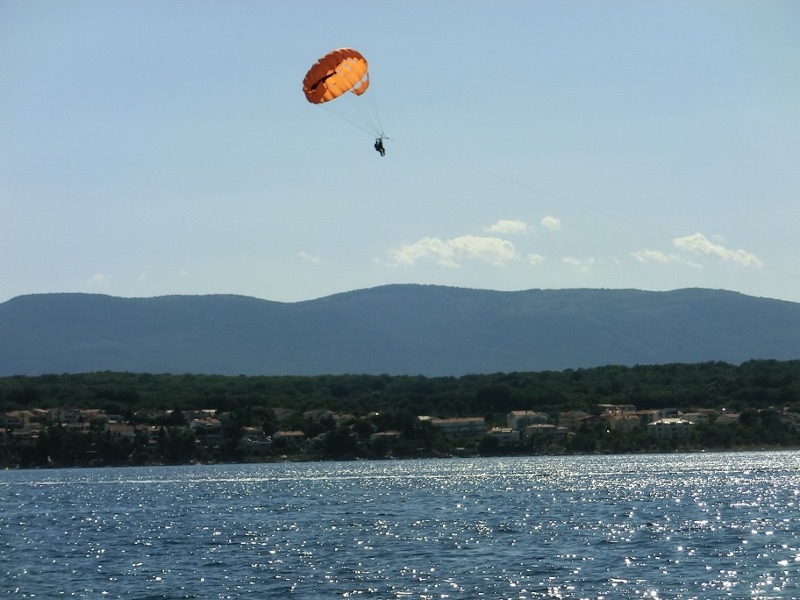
point(663, 526)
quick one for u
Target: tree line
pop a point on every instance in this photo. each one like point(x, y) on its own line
point(753, 384)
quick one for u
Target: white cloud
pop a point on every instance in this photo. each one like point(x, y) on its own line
point(698, 244)
point(142, 277)
point(535, 259)
point(448, 253)
point(508, 226)
point(309, 257)
point(646, 256)
point(98, 278)
point(582, 265)
point(551, 223)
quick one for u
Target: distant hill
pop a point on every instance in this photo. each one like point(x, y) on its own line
point(396, 329)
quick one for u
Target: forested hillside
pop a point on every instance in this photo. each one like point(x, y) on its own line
point(398, 329)
point(756, 384)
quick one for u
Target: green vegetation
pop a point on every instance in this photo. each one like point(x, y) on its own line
point(249, 412)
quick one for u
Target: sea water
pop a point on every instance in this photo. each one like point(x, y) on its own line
point(646, 526)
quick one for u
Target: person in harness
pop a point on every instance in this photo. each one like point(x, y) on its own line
point(379, 146)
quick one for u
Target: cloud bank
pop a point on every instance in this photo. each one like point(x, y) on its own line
point(450, 253)
point(698, 244)
point(498, 251)
point(551, 223)
point(508, 226)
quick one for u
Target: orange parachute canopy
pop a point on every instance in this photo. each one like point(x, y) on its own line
point(340, 71)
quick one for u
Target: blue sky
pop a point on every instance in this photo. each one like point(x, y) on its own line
point(151, 148)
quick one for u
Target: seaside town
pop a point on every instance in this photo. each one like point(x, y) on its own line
point(68, 436)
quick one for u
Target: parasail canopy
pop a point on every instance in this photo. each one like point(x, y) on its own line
point(338, 72)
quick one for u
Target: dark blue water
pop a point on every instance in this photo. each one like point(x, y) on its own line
point(665, 526)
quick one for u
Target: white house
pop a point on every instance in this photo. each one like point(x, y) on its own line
point(572, 419)
point(625, 422)
point(504, 435)
point(520, 419)
point(16, 419)
point(121, 431)
point(539, 431)
point(669, 428)
point(697, 418)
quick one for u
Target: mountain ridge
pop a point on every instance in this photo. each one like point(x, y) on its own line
point(395, 329)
